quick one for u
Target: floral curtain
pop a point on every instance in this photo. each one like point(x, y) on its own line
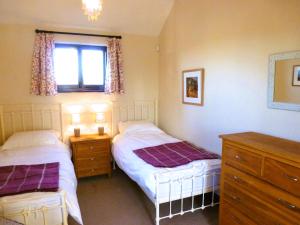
point(42, 78)
point(114, 83)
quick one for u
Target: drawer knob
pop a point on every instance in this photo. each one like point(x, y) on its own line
point(236, 178)
point(92, 159)
point(237, 157)
point(291, 178)
point(286, 204)
point(235, 198)
point(91, 147)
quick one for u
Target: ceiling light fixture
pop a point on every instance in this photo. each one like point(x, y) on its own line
point(92, 8)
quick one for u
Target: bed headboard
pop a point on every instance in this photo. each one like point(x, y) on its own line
point(136, 110)
point(28, 117)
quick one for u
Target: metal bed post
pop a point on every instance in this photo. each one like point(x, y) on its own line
point(157, 218)
point(190, 179)
point(27, 212)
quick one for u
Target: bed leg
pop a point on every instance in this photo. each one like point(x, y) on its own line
point(114, 164)
point(157, 219)
point(64, 208)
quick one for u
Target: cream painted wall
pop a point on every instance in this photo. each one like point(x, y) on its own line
point(16, 47)
point(232, 40)
point(284, 74)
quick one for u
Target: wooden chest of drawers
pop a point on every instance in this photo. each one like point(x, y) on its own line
point(260, 181)
point(91, 155)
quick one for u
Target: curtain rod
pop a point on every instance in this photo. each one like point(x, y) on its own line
point(83, 34)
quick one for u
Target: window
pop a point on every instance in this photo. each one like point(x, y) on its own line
point(80, 68)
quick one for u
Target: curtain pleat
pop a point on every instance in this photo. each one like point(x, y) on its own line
point(114, 83)
point(42, 79)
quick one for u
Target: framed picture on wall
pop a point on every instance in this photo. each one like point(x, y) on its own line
point(193, 87)
point(296, 75)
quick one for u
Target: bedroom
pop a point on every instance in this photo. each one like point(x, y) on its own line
point(235, 43)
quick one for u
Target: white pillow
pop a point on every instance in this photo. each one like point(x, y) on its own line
point(137, 126)
point(31, 138)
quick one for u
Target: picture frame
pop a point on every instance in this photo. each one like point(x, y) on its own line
point(296, 76)
point(193, 87)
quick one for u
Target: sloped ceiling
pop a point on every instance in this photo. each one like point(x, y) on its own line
point(144, 17)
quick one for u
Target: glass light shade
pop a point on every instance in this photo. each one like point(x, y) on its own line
point(100, 117)
point(75, 118)
point(92, 8)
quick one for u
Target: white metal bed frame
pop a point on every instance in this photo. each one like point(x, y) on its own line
point(28, 117)
point(34, 213)
point(190, 175)
point(147, 110)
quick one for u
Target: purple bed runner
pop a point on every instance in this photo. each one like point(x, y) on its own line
point(29, 178)
point(173, 154)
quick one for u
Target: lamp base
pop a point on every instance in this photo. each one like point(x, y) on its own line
point(77, 132)
point(100, 130)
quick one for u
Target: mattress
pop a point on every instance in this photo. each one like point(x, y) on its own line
point(145, 175)
point(67, 178)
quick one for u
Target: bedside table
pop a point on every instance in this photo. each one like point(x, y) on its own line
point(91, 155)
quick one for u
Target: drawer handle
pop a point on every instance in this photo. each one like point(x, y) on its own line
point(92, 159)
point(235, 198)
point(286, 204)
point(291, 178)
point(239, 158)
point(236, 178)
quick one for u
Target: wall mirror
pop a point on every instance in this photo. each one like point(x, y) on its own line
point(284, 81)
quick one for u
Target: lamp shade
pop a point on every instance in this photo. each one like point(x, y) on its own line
point(75, 118)
point(100, 117)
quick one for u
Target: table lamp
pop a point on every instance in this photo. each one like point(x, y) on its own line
point(100, 118)
point(76, 121)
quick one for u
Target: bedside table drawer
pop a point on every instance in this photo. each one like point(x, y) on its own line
point(92, 171)
point(93, 146)
point(82, 154)
point(93, 162)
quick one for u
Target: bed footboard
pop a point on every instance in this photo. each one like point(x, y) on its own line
point(182, 185)
point(43, 209)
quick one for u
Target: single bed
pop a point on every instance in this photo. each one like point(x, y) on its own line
point(163, 185)
point(36, 208)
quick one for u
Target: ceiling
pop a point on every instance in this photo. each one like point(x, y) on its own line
point(144, 17)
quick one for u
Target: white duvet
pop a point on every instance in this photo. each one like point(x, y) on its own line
point(46, 154)
point(144, 174)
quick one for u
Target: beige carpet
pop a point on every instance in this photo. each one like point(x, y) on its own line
point(119, 201)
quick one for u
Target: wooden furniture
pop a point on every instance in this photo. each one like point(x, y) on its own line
point(260, 181)
point(91, 155)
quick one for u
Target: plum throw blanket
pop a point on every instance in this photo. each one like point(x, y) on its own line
point(29, 178)
point(173, 154)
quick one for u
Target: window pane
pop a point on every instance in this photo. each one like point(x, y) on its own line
point(66, 66)
point(92, 67)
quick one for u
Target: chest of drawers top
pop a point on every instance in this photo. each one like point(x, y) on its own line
point(89, 138)
point(265, 144)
